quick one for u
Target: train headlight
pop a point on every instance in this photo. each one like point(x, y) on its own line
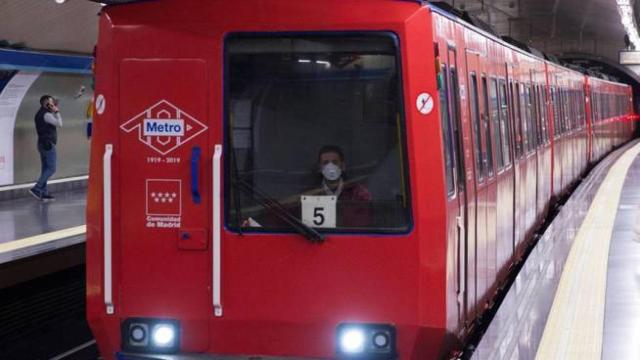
point(352, 341)
point(164, 335)
point(366, 341)
point(150, 335)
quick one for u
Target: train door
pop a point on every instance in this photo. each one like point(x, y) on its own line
point(490, 192)
point(478, 202)
point(504, 173)
point(530, 131)
point(162, 201)
point(460, 195)
point(516, 152)
point(523, 180)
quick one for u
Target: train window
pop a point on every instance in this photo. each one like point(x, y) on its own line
point(517, 112)
point(592, 105)
point(576, 109)
point(524, 118)
point(580, 105)
point(475, 122)
point(534, 114)
point(495, 121)
point(488, 155)
point(541, 118)
point(572, 113)
point(556, 112)
point(531, 119)
point(315, 134)
point(505, 134)
point(567, 107)
point(563, 111)
point(541, 114)
point(455, 117)
point(443, 93)
point(592, 102)
point(540, 104)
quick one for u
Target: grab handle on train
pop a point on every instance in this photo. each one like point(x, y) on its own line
point(107, 226)
point(195, 163)
point(217, 268)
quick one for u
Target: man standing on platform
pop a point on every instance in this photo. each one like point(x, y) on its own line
point(47, 119)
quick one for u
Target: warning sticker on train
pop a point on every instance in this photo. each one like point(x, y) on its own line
point(101, 104)
point(164, 127)
point(424, 103)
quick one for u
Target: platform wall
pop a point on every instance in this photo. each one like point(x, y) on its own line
point(20, 91)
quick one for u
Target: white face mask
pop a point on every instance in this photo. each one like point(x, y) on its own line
point(331, 172)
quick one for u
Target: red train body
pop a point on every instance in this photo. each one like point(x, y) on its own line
point(208, 113)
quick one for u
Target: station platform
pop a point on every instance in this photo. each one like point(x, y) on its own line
point(577, 295)
point(30, 229)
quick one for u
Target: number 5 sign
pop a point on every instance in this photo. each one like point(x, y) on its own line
point(319, 211)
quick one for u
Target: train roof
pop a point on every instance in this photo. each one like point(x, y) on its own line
point(469, 21)
point(461, 18)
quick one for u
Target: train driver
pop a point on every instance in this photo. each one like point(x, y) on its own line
point(353, 197)
point(353, 205)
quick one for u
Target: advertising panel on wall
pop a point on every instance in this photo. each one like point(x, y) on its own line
point(24, 77)
point(10, 100)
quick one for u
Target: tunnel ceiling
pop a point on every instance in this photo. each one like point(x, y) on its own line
point(45, 25)
point(553, 26)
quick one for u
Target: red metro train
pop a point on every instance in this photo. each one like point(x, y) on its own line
point(289, 179)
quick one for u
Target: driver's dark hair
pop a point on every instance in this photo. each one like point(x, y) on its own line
point(44, 99)
point(331, 148)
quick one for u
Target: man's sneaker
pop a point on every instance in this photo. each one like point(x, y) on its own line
point(35, 194)
point(48, 198)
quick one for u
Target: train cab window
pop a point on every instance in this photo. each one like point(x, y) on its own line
point(494, 113)
point(475, 122)
point(315, 134)
point(445, 122)
point(488, 154)
point(505, 133)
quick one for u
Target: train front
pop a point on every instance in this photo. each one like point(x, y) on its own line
point(266, 181)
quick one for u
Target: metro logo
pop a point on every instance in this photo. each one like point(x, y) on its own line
point(164, 127)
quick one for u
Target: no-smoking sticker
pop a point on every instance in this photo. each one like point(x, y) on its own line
point(424, 103)
point(100, 104)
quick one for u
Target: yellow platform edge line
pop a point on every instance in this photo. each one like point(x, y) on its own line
point(42, 238)
point(574, 328)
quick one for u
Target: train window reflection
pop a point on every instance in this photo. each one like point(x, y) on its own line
point(315, 122)
point(495, 121)
point(455, 118)
point(475, 122)
point(504, 123)
point(488, 154)
point(445, 123)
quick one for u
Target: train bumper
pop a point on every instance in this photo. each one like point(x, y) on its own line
point(131, 356)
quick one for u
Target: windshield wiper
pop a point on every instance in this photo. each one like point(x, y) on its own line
point(275, 207)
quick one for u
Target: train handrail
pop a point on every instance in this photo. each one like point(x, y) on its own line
point(107, 226)
point(216, 288)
